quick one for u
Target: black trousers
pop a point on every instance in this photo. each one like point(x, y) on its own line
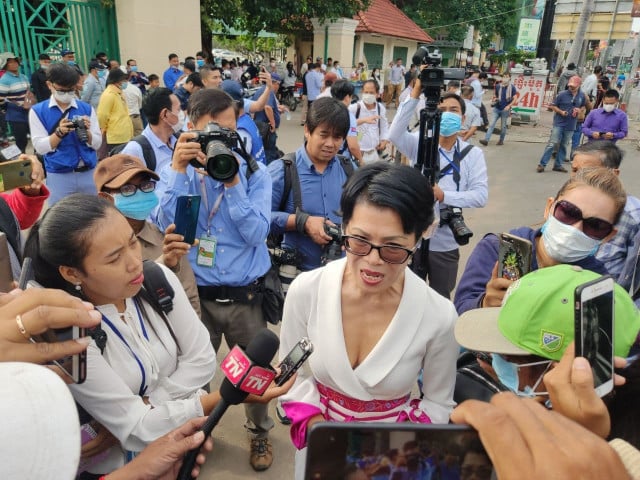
point(20, 131)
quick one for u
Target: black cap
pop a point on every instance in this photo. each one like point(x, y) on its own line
point(44, 56)
point(95, 64)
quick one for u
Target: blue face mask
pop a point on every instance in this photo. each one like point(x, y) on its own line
point(71, 63)
point(134, 68)
point(507, 373)
point(137, 206)
point(200, 62)
point(450, 124)
point(124, 85)
point(102, 73)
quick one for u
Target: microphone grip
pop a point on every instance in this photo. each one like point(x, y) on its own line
point(207, 427)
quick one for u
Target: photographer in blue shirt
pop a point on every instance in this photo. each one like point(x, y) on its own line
point(231, 258)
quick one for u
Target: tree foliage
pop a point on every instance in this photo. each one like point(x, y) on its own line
point(453, 19)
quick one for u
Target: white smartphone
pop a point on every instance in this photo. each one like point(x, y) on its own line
point(594, 321)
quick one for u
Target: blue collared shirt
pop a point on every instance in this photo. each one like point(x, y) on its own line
point(162, 151)
point(240, 225)
point(314, 84)
point(320, 198)
point(567, 101)
point(171, 76)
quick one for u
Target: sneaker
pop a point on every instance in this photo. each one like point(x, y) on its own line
point(500, 143)
point(282, 417)
point(261, 454)
point(539, 169)
point(484, 142)
point(560, 169)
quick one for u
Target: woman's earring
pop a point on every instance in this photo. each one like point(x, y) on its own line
point(78, 287)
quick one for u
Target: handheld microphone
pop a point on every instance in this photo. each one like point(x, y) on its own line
point(246, 372)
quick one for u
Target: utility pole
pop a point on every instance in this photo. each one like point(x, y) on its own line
point(578, 40)
point(628, 88)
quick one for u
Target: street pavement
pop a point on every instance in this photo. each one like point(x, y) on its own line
point(517, 197)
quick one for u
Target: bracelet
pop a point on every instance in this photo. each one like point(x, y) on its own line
point(59, 133)
point(301, 219)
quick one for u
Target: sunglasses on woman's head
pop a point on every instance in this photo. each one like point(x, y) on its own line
point(569, 214)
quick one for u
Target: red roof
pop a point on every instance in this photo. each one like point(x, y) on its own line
point(385, 18)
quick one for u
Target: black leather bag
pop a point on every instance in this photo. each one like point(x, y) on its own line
point(273, 296)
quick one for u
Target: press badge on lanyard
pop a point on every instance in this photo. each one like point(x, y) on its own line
point(207, 246)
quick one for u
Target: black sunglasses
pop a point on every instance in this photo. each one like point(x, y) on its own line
point(569, 214)
point(129, 189)
point(389, 253)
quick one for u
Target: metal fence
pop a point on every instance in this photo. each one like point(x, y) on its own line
point(29, 28)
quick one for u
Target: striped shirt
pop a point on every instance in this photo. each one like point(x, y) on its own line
point(13, 88)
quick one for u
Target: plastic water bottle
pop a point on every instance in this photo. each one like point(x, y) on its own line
point(287, 115)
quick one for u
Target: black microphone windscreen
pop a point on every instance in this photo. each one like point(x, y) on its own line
point(261, 350)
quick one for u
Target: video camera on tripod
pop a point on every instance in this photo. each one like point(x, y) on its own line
point(432, 80)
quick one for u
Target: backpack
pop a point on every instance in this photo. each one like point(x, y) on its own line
point(148, 154)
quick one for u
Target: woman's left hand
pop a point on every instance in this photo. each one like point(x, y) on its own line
point(103, 441)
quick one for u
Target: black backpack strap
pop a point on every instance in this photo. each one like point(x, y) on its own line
point(457, 159)
point(289, 164)
point(157, 286)
point(347, 165)
point(147, 151)
point(358, 111)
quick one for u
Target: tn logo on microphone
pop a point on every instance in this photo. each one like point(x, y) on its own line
point(236, 364)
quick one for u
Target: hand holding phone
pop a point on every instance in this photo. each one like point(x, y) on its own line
point(514, 256)
point(594, 326)
point(14, 174)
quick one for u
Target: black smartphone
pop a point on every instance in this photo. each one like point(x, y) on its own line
point(294, 360)
point(384, 450)
point(14, 174)
point(26, 273)
point(75, 366)
point(186, 218)
point(6, 275)
point(514, 256)
point(594, 321)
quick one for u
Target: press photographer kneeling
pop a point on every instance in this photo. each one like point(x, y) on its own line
point(461, 183)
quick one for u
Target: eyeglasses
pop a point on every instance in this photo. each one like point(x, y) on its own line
point(388, 253)
point(65, 90)
point(129, 189)
point(593, 227)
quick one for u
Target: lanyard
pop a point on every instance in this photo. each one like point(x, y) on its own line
point(143, 383)
point(216, 205)
point(452, 164)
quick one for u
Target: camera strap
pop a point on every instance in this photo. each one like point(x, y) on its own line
point(455, 164)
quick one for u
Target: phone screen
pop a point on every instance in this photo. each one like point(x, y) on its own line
point(390, 451)
point(186, 219)
point(597, 335)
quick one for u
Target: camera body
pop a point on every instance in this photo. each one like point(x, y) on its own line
point(80, 128)
point(288, 261)
point(432, 78)
point(333, 249)
point(218, 143)
point(452, 216)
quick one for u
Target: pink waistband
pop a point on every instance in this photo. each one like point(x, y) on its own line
point(360, 406)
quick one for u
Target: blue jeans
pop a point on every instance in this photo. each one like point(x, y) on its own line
point(561, 138)
point(577, 135)
point(503, 115)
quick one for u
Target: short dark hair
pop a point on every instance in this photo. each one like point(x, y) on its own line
point(63, 236)
point(612, 93)
point(597, 69)
point(115, 75)
point(329, 111)
point(372, 80)
point(388, 185)
point(172, 56)
point(130, 60)
point(153, 77)
point(224, 62)
point(101, 54)
point(465, 90)
point(189, 65)
point(463, 106)
point(44, 56)
point(571, 66)
point(156, 101)
point(208, 101)
point(608, 152)
point(342, 88)
point(63, 75)
point(195, 79)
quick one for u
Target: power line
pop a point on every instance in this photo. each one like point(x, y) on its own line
point(481, 18)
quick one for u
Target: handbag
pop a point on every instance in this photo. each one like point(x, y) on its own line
point(273, 296)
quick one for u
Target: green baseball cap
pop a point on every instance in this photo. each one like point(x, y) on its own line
point(537, 316)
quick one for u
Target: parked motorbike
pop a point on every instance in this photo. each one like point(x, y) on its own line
point(288, 97)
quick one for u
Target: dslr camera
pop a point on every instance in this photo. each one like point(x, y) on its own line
point(452, 216)
point(288, 261)
point(333, 249)
point(80, 128)
point(218, 143)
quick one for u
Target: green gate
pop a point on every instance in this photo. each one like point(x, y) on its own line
point(31, 27)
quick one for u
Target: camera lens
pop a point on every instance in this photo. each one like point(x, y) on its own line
point(221, 163)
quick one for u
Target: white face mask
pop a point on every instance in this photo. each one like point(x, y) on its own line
point(608, 107)
point(177, 127)
point(567, 244)
point(64, 97)
point(369, 98)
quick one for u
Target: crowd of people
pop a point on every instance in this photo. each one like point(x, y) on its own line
point(368, 249)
